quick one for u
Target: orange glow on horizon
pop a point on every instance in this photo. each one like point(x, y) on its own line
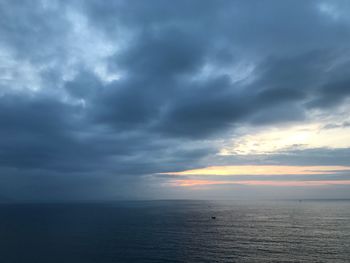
point(262, 170)
point(193, 183)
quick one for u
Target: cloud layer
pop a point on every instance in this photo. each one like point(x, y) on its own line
point(97, 97)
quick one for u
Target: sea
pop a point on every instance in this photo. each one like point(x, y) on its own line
point(176, 231)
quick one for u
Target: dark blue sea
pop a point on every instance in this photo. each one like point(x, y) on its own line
point(176, 231)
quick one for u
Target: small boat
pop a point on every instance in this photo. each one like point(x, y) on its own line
point(213, 217)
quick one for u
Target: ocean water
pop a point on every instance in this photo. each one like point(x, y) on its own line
point(176, 231)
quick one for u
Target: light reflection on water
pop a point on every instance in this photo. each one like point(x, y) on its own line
point(177, 231)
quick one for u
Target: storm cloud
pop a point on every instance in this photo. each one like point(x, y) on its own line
point(97, 98)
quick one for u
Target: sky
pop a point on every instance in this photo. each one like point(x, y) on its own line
point(199, 99)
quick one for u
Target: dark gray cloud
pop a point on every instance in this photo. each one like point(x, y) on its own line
point(188, 73)
point(293, 157)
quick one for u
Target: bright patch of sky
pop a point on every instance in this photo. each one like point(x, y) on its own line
point(331, 132)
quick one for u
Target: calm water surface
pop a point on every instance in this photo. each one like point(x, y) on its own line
point(176, 231)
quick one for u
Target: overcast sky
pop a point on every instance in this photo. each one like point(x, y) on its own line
point(104, 100)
